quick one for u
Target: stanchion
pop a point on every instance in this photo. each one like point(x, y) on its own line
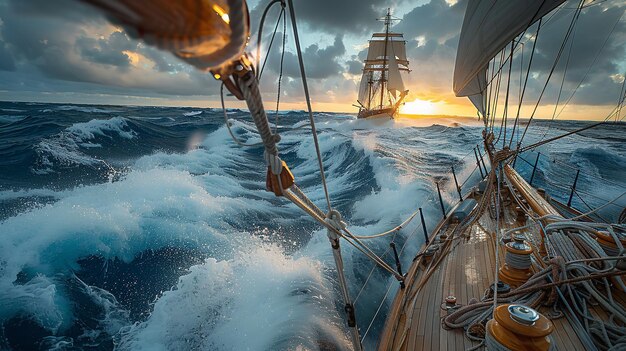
point(424, 225)
point(571, 194)
point(534, 169)
point(456, 182)
point(482, 175)
point(443, 209)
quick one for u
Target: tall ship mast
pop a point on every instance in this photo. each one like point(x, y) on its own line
point(382, 90)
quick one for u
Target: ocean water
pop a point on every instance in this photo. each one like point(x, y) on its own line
point(148, 228)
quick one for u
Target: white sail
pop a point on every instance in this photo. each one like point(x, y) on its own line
point(490, 25)
point(364, 88)
point(394, 83)
point(376, 50)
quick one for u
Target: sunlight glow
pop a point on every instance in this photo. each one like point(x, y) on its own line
point(133, 57)
point(418, 107)
point(220, 12)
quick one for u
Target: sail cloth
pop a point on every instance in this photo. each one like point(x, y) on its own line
point(488, 27)
point(364, 89)
point(377, 49)
point(204, 33)
point(394, 83)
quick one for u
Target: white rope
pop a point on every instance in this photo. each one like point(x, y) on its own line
point(391, 231)
point(497, 266)
point(232, 135)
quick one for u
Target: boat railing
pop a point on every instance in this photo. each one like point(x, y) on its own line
point(570, 192)
point(451, 188)
point(448, 187)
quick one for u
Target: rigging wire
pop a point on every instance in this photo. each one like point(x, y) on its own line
point(506, 99)
point(563, 187)
point(560, 52)
point(585, 76)
point(308, 103)
point(267, 56)
point(232, 135)
point(523, 90)
point(280, 73)
point(260, 33)
point(558, 99)
point(589, 207)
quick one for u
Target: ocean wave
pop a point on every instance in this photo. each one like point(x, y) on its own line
point(192, 113)
point(88, 130)
point(11, 119)
point(66, 148)
point(84, 109)
point(270, 289)
point(240, 250)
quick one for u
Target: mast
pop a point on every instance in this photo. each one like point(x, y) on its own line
point(369, 94)
point(382, 76)
point(386, 54)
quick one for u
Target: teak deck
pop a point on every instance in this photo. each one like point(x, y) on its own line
point(466, 272)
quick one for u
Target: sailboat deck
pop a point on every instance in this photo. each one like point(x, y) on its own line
point(466, 272)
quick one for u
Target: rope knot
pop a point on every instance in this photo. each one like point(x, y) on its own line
point(274, 162)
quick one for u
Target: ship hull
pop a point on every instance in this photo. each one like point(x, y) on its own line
point(378, 113)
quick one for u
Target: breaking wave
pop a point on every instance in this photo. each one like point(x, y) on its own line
point(185, 249)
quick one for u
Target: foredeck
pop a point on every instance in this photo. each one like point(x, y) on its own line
point(465, 269)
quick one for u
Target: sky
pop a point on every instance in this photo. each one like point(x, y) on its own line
point(65, 51)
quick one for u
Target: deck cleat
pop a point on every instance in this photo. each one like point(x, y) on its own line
point(430, 252)
point(518, 327)
point(449, 304)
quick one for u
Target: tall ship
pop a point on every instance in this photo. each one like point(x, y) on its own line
point(382, 90)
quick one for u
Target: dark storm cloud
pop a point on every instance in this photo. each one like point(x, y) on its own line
point(435, 21)
point(63, 45)
point(354, 66)
point(319, 62)
point(64, 42)
point(332, 16)
point(595, 50)
point(109, 51)
point(6, 58)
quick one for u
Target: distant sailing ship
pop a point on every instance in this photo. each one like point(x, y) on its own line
point(382, 90)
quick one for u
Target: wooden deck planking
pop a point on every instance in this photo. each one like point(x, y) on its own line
point(466, 272)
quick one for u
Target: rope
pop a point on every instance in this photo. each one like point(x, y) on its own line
point(497, 232)
point(391, 231)
point(267, 56)
point(567, 35)
point(250, 88)
point(232, 135)
point(280, 74)
point(517, 261)
point(377, 311)
point(308, 102)
point(260, 33)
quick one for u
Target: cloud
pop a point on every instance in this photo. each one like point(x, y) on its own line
point(319, 62)
point(67, 46)
point(109, 51)
point(60, 45)
point(332, 16)
point(594, 53)
point(6, 58)
point(355, 66)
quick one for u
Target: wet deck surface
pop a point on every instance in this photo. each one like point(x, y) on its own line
point(466, 272)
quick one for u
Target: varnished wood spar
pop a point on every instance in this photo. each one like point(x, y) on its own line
point(466, 271)
point(538, 204)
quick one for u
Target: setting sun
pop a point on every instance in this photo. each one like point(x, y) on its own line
point(418, 107)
